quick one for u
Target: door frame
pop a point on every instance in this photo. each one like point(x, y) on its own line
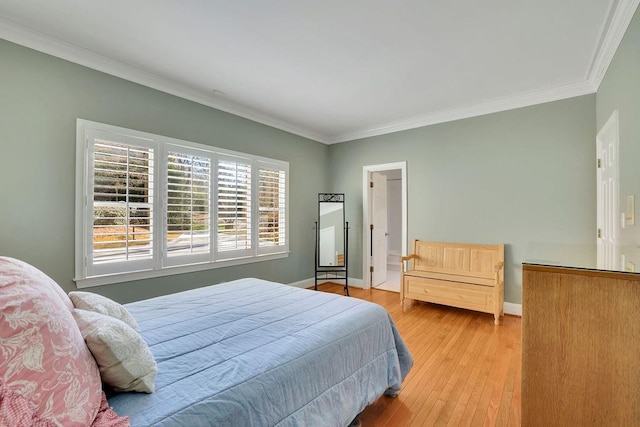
point(366, 213)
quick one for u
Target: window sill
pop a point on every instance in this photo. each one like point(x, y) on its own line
point(110, 279)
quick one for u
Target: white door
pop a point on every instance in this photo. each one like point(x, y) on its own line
point(379, 233)
point(608, 217)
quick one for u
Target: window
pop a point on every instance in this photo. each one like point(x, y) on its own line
point(121, 210)
point(188, 207)
point(272, 202)
point(149, 206)
point(234, 207)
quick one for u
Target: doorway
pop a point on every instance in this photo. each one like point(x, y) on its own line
point(384, 224)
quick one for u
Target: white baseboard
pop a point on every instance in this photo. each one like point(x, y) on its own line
point(308, 283)
point(509, 307)
point(514, 309)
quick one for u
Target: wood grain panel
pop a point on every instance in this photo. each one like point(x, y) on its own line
point(430, 256)
point(467, 296)
point(482, 261)
point(581, 347)
point(455, 258)
point(458, 258)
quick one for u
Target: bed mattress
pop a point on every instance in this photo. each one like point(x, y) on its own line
point(258, 353)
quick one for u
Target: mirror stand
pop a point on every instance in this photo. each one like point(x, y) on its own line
point(332, 233)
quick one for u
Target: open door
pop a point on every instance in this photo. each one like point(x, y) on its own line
point(378, 228)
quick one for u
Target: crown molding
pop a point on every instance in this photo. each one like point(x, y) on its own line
point(76, 54)
point(620, 18)
point(613, 31)
point(480, 109)
point(612, 34)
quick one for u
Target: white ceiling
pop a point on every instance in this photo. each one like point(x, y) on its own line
point(336, 70)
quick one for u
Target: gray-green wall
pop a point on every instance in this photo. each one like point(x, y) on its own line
point(620, 90)
point(523, 177)
point(40, 99)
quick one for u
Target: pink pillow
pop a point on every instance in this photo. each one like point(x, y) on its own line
point(22, 269)
point(43, 356)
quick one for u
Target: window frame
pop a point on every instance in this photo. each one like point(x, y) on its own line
point(86, 275)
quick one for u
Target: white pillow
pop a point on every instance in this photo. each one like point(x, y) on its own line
point(124, 358)
point(103, 305)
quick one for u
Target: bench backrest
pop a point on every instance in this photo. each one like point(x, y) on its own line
point(459, 259)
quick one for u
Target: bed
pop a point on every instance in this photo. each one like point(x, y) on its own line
point(243, 353)
point(256, 353)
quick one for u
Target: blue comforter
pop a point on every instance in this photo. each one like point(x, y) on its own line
point(257, 353)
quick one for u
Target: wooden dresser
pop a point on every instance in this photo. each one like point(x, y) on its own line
point(580, 347)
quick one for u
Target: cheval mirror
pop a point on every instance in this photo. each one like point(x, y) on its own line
point(331, 239)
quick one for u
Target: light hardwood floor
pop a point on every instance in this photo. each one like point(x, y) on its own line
point(466, 373)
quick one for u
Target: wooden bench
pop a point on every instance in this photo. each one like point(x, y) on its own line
point(458, 275)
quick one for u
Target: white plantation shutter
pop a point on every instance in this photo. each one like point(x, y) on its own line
point(122, 197)
point(188, 207)
point(149, 206)
point(272, 201)
point(233, 208)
